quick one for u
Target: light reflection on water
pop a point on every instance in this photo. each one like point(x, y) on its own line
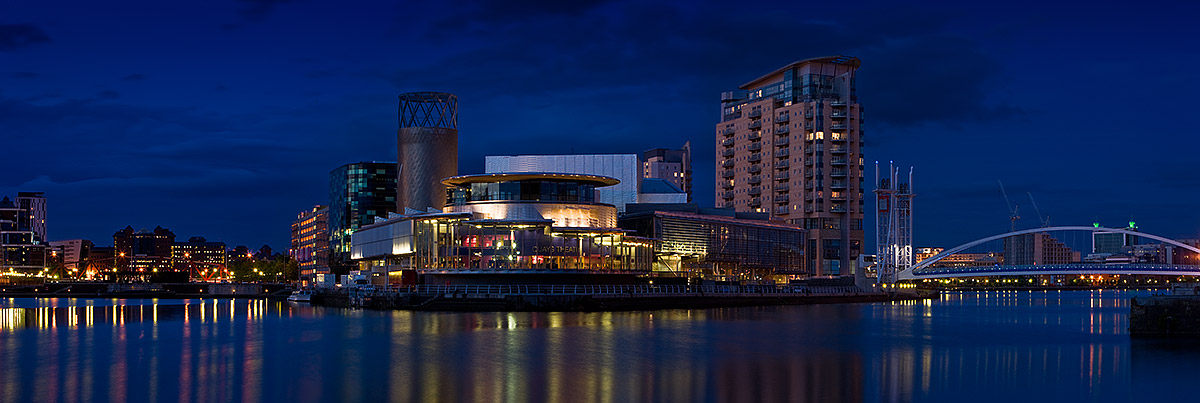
point(1031, 346)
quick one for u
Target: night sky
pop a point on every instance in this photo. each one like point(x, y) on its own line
point(223, 119)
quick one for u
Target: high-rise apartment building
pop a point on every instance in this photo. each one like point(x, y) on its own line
point(33, 204)
point(674, 166)
point(22, 247)
point(358, 193)
point(790, 144)
point(310, 242)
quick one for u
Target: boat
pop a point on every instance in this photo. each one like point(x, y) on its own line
point(300, 296)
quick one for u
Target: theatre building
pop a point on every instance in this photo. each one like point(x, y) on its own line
point(507, 228)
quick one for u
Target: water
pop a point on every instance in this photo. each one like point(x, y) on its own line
point(997, 346)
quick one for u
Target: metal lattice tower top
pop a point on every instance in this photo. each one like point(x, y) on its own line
point(429, 109)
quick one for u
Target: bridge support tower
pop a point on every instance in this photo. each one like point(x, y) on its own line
point(893, 224)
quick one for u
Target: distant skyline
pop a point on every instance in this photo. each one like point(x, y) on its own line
point(223, 119)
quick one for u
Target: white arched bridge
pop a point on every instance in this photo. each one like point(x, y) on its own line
point(925, 269)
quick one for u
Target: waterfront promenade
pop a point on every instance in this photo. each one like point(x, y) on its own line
point(596, 297)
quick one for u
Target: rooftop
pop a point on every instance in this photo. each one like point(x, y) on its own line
point(597, 180)
point(853, 62)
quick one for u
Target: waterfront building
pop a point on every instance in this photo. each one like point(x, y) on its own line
point(1037, 249)
point(33, 207)
point(718, 244)
point(310, 242)
point(239, 253)
point(674, 166)
point(198, 254)
point(22, 248)
point(1113, 242)
point(623, 167)
point(426, 148)
point(74, 252)
point(789, 144)
point(143, 251)
point(358, 193)
point(508, 228)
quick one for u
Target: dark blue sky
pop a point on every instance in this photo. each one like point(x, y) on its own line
point(223, 118)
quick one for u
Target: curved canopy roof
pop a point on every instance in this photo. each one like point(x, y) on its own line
point(596, 180)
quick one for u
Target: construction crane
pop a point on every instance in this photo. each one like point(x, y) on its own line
point(1044, 219)
point(1013, 215)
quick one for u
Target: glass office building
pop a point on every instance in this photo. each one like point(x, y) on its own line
point(358, 193)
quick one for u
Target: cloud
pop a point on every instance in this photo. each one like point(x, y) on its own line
point(16, 36)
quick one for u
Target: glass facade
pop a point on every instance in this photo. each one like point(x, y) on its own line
point(721, 247)
point(358, 193)
point(526, 190)
point(461, 244)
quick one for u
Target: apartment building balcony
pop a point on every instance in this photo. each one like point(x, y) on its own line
point(838, 115)
point(808, 174)
point(808, 209)
point(728, 204)
point(838, 150)
point(727, 174)
point(808, 162)
point(755, 157)
point(755, 114)
point(782, 142)
point(838, 173)
point(838, 137)
point(727, 164)
point(782, 130)
point(781, 188)
point(727, 143)
point(755, 191)
point(838, 104)
point(808, 126)
point(839, 161)
point(755, 202)
point(781, 198)
point(727, 196)
point(841, 184)
point(726, 185)
point(781, 164)
point(782, 119)
point(782, 176)
point(837, 126)
point(808, 185)
point(757, 124)
point(837, 208)
point(729, 131)
point(782, 210)
point(755, 136)
point(781, 153)
point(755, 147)
point(838, 197)
point(755, 169)
point(754, 180)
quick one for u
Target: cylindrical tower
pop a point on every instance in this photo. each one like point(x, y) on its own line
point(427, 148)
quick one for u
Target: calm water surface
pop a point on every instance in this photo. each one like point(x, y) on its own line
point(998, 346)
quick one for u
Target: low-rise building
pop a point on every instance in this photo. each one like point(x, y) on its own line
point(507, 228)
point(718, 244)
